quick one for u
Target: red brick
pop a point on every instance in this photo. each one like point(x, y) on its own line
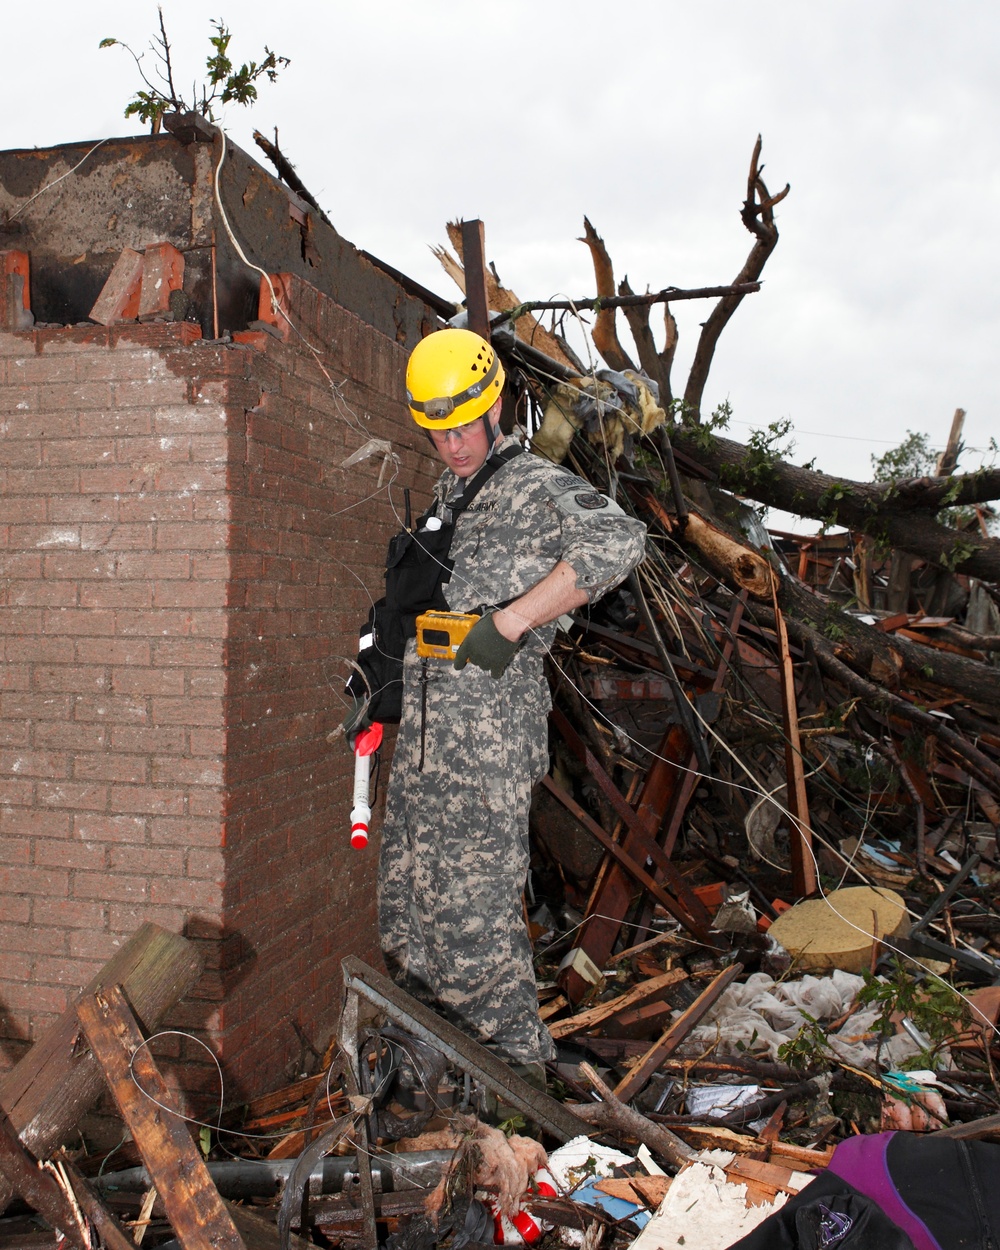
point(15, 852)
point(137, 423)
point(186, 653)
point(171, 770)
point(42, 882)
point(112, 766)
point(18, 677)
point(112, 888)
point(153, 565)
point(32, 648)
point(148, 801)
point(34, 824)
point(101, 828)
point(156, 508)
point(69, 621)
point(75, 973)
point(191, 536)
point(78, 451)
point(17, 911)
point(117, 537)
point(189, 594)
point(208, 864)
point(207, 741)
point(201, 684)
point(16, 793)
point(126, 918)
point(27, 996)
point(113, 651)
point(43, 481)
point(185, 832)
point(70, 736)
point(110, 709)
point(137, 738)
point(31, 369)
point(79, 565)
point(43, 594)
point(185, 893)
point(33, 763)
point(75, 795)
point(84, 945)
point(188, 419)
point(63, 852)
point(24, 509)
point(20, 565)
point(153, 681)
point(187, 711)
point(147, 861)
point(67, 914)
point(28, 938)
point(149, 392)
point(81, 679)
point(154, 451)
point(74, 396)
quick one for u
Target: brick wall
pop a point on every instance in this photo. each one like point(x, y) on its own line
point(184, 560)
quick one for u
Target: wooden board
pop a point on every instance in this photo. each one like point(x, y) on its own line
point(192, 1203)
point(603, 1011)
point(57, 1081)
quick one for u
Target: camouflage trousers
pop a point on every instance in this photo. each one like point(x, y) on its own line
point(454, 853)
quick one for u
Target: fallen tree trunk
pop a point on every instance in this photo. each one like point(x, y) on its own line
point(895, 514)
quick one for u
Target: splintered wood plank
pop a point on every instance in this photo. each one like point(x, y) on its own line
point(603, 1011)
point(37, 1188)
point(57, 1081)
point(175, 1167)
point(637, 1077)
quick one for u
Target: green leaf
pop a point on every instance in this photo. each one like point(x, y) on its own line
point(107, 43)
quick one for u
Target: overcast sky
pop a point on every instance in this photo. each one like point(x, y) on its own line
point(880, 307)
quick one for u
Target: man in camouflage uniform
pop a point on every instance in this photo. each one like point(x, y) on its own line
point(472, 740)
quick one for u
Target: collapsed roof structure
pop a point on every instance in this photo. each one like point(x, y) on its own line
point(756, 725)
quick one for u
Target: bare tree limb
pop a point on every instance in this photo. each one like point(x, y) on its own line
point(758, 217)
point(605, 331)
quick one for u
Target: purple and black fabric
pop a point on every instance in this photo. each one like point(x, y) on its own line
point(893, 1191)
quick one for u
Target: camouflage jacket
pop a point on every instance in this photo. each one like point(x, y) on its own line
point(530, 515)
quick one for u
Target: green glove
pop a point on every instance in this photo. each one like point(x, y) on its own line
point(486, 647)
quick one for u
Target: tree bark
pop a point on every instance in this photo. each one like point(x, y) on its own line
point(899, 515)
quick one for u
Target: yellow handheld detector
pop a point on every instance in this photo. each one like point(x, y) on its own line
point(440, 634)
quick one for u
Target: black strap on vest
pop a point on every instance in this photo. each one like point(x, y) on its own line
point(417, 569)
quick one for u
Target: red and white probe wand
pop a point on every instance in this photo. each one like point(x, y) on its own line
point(366, 744)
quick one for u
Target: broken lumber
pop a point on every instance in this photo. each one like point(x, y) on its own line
point(194, 1208)
point(56, 1082)
point(605, 1011)
point(637, 1077)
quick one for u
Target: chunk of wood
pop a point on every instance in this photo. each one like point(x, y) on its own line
point(57, 1081)
point(39, 1189)
point(194, 1208)
point(603, 1011)
point(637, 1077)
point(119, 297)
point(611, 1113)
point(840, 930)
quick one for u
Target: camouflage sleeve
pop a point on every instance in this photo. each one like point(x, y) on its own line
point(600, 542)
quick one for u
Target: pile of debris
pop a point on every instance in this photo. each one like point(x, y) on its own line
point(412, 1135)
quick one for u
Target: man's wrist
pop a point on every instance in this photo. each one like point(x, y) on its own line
point(509, 623)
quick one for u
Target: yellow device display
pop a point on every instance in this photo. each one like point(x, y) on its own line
point(440, 634)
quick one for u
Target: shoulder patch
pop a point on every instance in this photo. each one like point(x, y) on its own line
point(591, 499)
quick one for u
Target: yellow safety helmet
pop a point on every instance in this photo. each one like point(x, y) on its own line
point(452, 377)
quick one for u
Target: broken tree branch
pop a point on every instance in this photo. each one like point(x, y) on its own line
point(612, 1113)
